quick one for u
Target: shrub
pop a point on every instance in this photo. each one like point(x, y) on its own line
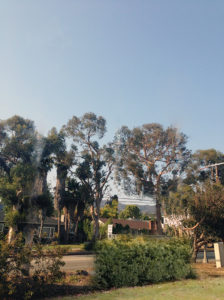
point(89, 246)
point(15, 266)
point(88, 229)
point(137, 262)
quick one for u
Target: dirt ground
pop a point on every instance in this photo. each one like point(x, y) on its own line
point(208, 270)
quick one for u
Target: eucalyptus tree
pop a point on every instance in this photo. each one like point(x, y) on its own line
point(18, 170)
point(149, 156)
point(63, 161)
point(198, 171)
point(42, 198)
point(96, 162)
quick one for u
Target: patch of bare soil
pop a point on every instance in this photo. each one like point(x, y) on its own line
point(208, 270)
point(75, 283)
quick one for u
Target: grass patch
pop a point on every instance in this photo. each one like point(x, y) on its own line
point(71, 247)
point(200, 289)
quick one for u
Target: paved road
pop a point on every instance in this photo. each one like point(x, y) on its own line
point(86, 262)
point(210, 256)
point(78, 262)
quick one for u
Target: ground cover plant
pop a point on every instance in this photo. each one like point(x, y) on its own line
point(138, 262)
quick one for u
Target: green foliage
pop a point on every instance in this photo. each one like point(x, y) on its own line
point(14, 217)
point(201, 158)
point(137, 262)
point(130, 211)
point(13, 274)
point(45, 202)
point(110, 209)
point(47, 264)
point(119, 229)
point(149, 152)
point(96, 161)
point(15, 264)
point(179, 202)
point(103, 229)
point(89, 246)
point(88, 229)
point(207, 208)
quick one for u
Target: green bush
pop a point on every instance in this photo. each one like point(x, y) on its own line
point(137, 262)
point(88, 229)
point(89, 246)
point(21, 279)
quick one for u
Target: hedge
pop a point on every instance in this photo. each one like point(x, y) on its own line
point(138, 262)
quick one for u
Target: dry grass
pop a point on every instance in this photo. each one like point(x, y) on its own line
point(208, 270)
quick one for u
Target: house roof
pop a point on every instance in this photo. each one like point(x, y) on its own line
point(133, 224)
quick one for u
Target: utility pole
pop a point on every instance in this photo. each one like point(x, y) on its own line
point(216, 170)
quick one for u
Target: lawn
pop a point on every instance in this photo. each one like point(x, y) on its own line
point(208, 286)
point(71, 247)
point(200, 289)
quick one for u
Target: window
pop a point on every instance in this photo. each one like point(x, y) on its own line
point(47, 232)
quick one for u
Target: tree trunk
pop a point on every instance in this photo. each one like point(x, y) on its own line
point(14, 228)
point(79, 216)
point(195, 249)
point(40, 187)
point(158, 217)
point(96, 227)
point(96, 220)
point(59, 224)
point(41, 223)
point(28, 234)
point(59, 192)
point(66, 224)
point(12, 233)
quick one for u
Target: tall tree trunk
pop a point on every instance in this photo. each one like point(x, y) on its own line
point(12, 233)
point(13, 229)
point(79, 216)
point(158, 207)
point(195, 248)
point(66, 224)
point(41, 223)
point(40, 187)
point(59, 191)
point(28, 234)
point(158, 218)
point(96, 217)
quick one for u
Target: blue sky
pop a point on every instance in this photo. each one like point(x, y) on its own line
point(133, 62)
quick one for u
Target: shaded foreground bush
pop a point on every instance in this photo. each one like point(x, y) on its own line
point(26, 274)
point(139, 262)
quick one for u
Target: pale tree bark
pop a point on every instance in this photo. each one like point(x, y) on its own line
point(13, 229)
point(41, 217)
point(95, 217)
point(66, 224)
point(40, 187)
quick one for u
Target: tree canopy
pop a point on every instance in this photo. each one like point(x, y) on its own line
point(130, 212)
point(148, 156)
point(149, 159)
